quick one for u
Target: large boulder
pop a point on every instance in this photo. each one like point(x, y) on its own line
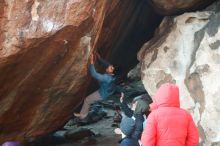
point(186, 50)
point(172, 7)
point(44, 50)
point(43, 62)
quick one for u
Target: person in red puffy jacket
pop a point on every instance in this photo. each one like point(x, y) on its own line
point(168, 124)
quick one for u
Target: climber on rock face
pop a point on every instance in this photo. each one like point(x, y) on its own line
point(107, 83)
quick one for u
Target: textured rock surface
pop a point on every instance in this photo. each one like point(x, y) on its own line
point(186, 50)
point(135, 73)
point(44, 48)
point(170, 7)
point(43, 61)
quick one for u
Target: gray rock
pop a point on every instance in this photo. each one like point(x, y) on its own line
point(185, 50)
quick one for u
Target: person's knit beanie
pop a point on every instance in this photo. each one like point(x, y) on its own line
point(127, 126)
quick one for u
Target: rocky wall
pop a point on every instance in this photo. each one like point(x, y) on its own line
point(186, 50)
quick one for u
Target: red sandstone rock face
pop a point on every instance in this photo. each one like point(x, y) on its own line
point(170, 7)
point(44, 49)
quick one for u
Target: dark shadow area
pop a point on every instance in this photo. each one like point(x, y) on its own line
point(124, 32)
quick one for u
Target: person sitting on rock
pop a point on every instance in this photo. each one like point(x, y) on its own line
point(140, 107)
point(107, 83)
point(168, 124)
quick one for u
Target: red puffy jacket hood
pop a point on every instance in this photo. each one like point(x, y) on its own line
point(166, 96)
point(168, 124)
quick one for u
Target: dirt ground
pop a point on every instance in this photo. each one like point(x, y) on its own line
point(103, 135)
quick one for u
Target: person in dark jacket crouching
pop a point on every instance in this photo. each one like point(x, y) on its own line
point(131, 126)
point(127, 128)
